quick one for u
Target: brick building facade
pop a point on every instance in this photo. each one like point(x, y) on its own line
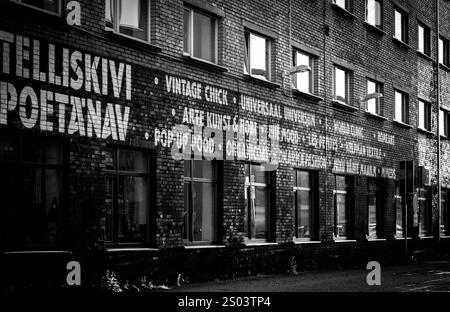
point(170, 134)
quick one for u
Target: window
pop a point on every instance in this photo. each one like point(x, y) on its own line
point(443, 51)
point(374, 12)
point(130, 17)
point(31, 188)
point(303, 82)
point(374, 106)
point(256, 220)
point(342, 197)
point(398, 211)
point(200, 35)
point(401, 107)
point(401, 25)
point(424, 212)
point(444, 212)
point(374, 208)
point(341, 85)
point(257, 56)
point(443, 123)
point(126, 196)
point(52, 6)
point(424, 39)
point(199, 201)
point(424, 115)
point(304, 204)
point(345, 4)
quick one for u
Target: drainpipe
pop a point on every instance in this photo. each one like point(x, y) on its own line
point(438, 91)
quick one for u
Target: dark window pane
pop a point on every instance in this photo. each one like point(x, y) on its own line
point(260, 175)
point(341, 215)
point(187, 31)
point(372, 202)
point(109, 208)
point(132, 161)
point(303, 214)
point(204, 37)
point(203, 212)
point(48, 5)
point(261, 212)
point(303, 179)
point(187, 207)
point(110, 156)
point(203, 169)
point(341, 183)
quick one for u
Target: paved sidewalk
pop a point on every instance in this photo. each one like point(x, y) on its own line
point(424, 277)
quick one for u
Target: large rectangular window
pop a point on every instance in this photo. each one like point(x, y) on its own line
point(199, 201)
point(444, 123)
point(51, 6)
point(31, 191)
point(401, 25)
point(424, 115)
point(374, 106)
point(443, 51)
point(401, 113)
point(303, 82)
point(257, 57)
point(304, 204)
point(200, 35)
point(374, 210)
point(424, 44)
point(374, 13)
point(399, 211)
point(425, 216)
point(129, 17)
point(126, 196)
point(342, 199)
point(257, 214)
point(341, 85)
point(444, 218)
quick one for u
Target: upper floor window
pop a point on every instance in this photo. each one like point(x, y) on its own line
point(401, 25)
point(341, 85)
point(200, 35)
point(424, 39)
point(443, 51)
point(199, 201)
point(257, 57)
point(374, 106)
point(401, 113)
point(304, 81)
point(51, 6)
point(443, 123)
point(374, 13)
point(424, 115)
point(257, 205)
point(129, 17)
point(304, 204)
point(345, 4)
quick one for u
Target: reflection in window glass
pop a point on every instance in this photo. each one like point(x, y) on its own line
point(340, 85)
point(341, 202)
point(373, 12)
point(303, 81)
point(257, 56)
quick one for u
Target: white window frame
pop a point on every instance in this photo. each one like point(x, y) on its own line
point(380, 13)
point(404, 118)
point(310, 190)
point(443, 123)
point(444, 51)
point(378, 101)
point(403, 25)
point(424, 114)
point(59, 13)
point(310, 73)
point(424, 43)
point(347, 84)
point(268, 41)
point(191, 35)
point(116, 21)
point(346, 193)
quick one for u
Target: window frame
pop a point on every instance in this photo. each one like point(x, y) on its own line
point(404, 25)
point(444, 51)
point(378, 208)
point(444, 217)
point(444, 123)
point(311, 73)
point(424, 198)
point(426, 39)
point(348, 87)
point(379, 102)
point(58, 14)
point(380, 2)
point(247, 55)
point(347, 5)
point(190, 181)
point(312, 204)
point(399, 208)
point(348, 198)
point(191, 34)
point(116, 21)
point(116, 173)
point(404, 107)
point(426, 117)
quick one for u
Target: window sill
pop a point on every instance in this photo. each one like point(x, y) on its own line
point(401, 124)
point(309, 96)
point(375, 29)
point(343, 11)
point(444, 67)
point(134, 42)
point(204, 64)
point(300, 242)
point(29, 252)
point(130, 249)
point(402, 238)
point(262, 81)
point(375, 116)
point(428, 132)
point(427, 57)
point(401, 43)
point(204, 247)
point(344, 106)
point(376, 239)
point(426, 237)
point(444, 137)
point(343, 240)
point(249, 243)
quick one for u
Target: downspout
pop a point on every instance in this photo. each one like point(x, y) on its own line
point(438, 93)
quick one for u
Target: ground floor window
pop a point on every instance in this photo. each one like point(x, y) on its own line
point(199, 223)
point(342, 200)
point(256, 220)
point(304, 203)
point(374, 210)
point(126, 196)
point(444, 212)
point(425, 217)
point(398, 211)
point(31, 189)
